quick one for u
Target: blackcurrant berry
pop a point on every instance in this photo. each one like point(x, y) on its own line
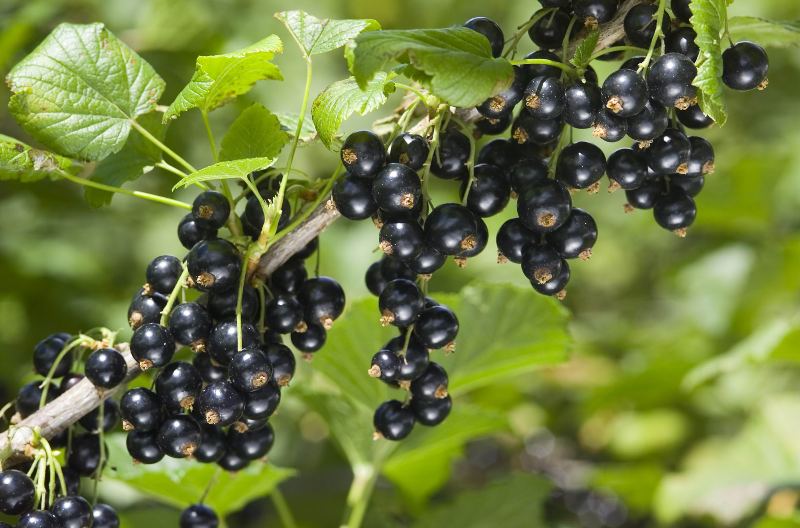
point(581, 165)
point(249, 370)
point(163, 273)
point(39, 519)
point(670, 80)
point(385, 365)
point(401, 239)
point(544, 97)
point(645, 196)
point(451, 229)
point(91, 421)
point(576, 237)
point(649, 123)
point(222, 305)
point(432, 384)
point(211, 208)
point(436, 327)
point(431, 412)
point(283, 313)
point(312, 339)
point(214, 265)
point(68, 381)
point(581, 104)
point(208, 369)
point(701, 157)
point(84, 456)
point(353, 198)
point(624, 93)
point(693, 117)
point(512, 237)
point(414, 357)
point(535, 70)
point(544, 207)
point(396, 189)
point(178, 385)
point(632, 63)
point(400, 303)
point(253, 217)
point(374, 278)
point(691, 185)
point(527, 129)
point(262, 402)
point(498, 152)
point(190, 324)
point(363, 154)
point(427, 261)
point(232, 462)
point(143, 447)
point(72, 512)
point(745, 66)
point(211, 446)
point(282, 361)
point(410, 150)
point(502, 104)
point(450, 162)
point(669, 153)
point(489, 29)
point(323, 299)
point(675, 210)
point(541, 262)
point(105, 368)
point(223, 341)
point(493, 126)
point(526, 173)
point(393, 421)
point(251, 444)
point(548, 31)
point(609, 126)
point(489, 192)
point(627, 168)
point(47, 350)
point(152, 345)
point(289, 277)
point(104, 516)
point(680, 8)
point(309, 249)
point(16, 492)
point(198, 516)
point(29, 396)
point(190, 231)
point(145, 308)
point(141, 410)
point(682, 40)
point(179, 435)
point(555, 286)
point(595, 11)
point(640, 25)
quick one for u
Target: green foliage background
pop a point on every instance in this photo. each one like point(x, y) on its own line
point(680, 400)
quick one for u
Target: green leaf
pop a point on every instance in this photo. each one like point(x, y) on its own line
point(583, 53)
point(256, 133)
point(768, 33)
point(218, 79)
point(22, 162)
point(458, 61)
point(516, 500)
point(226, 170)
point(182, 482)
point(708, 20)
point(136, 158)
point(320, 35)
point(308, 134)
point(79, 90)
point(341, 99)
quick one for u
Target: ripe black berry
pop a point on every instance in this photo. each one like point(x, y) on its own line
point(393, 421)
point(624, 93)
point(580, 165)
point(481, 239)
point(211, 208)
point(649, 123)
point(145, 308)
point(451, 229)
point(282, 361)
point(609, 126)
point(39, 519)
point(91, 421)
point(670, 80)
point(289, 277)
point(576, 237)
point(312, 339)
point(431, 412)
point(106, 368)
point(198, 516)
point(400, 303)
point(500, 106)
point(68, 381)
point(374, 279)
point(249, 370)
point(214, 265)
point(691, 185)
point(632, 63)
point(84, 457)
point(682, 41)
point(432, 384)
point(489, 29)
point(72, 512)
point(16, 492)
point(693, 117)
point(427, 261)
point(401, 239)
point(744, 66)
point(414, 357)
point(640, 25)
point(701, 157)
point(104, 516)
point(453, 152)
point(627, 168)
point(410, 150)
point(190, 231)
point(163, 273)
point(152, 345)
point(253, 443)
point(544, 97)
point(548, 31)
point(177, 385)
point(232, 462)
point(353, 198)
point(211, 446)
point(190, 324)
point(675, 210)
point(544, 207)
point(680, 8)
point(29, 396)
point(436, 327)
point(262, 402)
point(581, 104)
point(283, 313)
point(397, 189)
point(556, 285)
point(493, 126)
point(222, 305)
point(179, 436)
point(47, 350)
point(598, 11)
point(526, 173)
point(143, 447)
point(385, 365)
point(141, 410)
point(489, 192)
point(323, 299)
point(535, 70)
point(645, 196)
point(528, 129)
point(253, 217)
point(669, 153)
point(223, 340)
point(512, 237)
point(541, 263)
point(363, 154)
point(208, 369)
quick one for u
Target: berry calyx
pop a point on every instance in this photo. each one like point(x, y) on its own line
point(624, 93)
point(214, 265)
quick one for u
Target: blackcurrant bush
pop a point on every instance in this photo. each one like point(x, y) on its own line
point(261, 403)
point(198, 516)
point(214, 265)
point(39, 519)
point(393, 421)
point(501, 105)
point(223, 341)
point(396, 189)
point(283, 313)
point(548, 31)
point(535, 70)
point(179, 435)
point(745, 66)
point(645, 196)
point(105, 368)
point(576, 237)
point(211, 446)
point(141, 410)
point(323, 299)
point(282, 361)
point(211, 208)
point(431, 412)
point(581, 104)
point(312, 339)
point(669, 153)
point(436, 327)
point(489, 29)
point(143, 447)
point(541, 262)
point(649, 123)
point(624, 93)
point(145, 308)
point(627, 168)
point(16, 492)
point(363, 154)
point(670, 80)
point(400, 303)
point(450, 162)
point(512, 237)
point(163, 273)
point(289, 277)
point(544, 207)
point(432, 384)
point(555, 286)
point(693, 117)
point(701, 157)
point(249, 370)
point(544, 97)
point(680, 8)
point(580, 165)
point(609, 126)
point(489, 192)
point(152, 345)
point(528, 129)
point(178, 385)
point(72, 512)
point(104, 516)
point(190, 324)
point(190, 231)
point(410, 150)
point(91, 421)
point(251, 444)
point(595, 11)
point(682, 40)
point(675, 210)
point(401, 239)
point(640, 25)
point(84, 456)
point(222, 305)
point(47, 350)
point(385, 365)
point(353, 198)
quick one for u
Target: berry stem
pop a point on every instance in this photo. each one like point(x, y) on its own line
point(419, 93)
point(436, 123)
point(523, 29)
point(282, 507)
point(613, 49)
point(242, 280)
point(470, 161)
point(547, 62)
point(662, 6)
point(155, 141)
point(565, 40)
point(173, 296)
point(211, 143)
point(364, 479)
point(119, 190)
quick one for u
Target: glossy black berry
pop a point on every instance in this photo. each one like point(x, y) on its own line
point(744, 66)
point(143, 447)
point(145, 308)
point(599, 11)
point(163, 272)
point(232, 462)
point(308, 250)
point(431, 412)
point(541, 262)
point(104, 516)
point(178, 385)
point(39, 519)
point(282, 361)
point(141, 410)
point(680, 8)
point(535, 70)
point(84, 456)
point(580, 165)
point(609, 126)
point(544, 207)
point(397, 189)
point(190, 231)
point(489, 192)
point(481, 239)
point(528, 129)
point(214, 265)
point(323, 299)
point(152, 345)
point(353, 198)
point(289, 277)
point(627, 168)
point(211, 208)
point(261, 403)
point(68, 381)
point(212, 444)
point(72, 512)
point(632, 63)
point(645, 196)
point(222, 305)
point(312, 339)
point(450, 162)
point(624, 93)
point(198, 516)
point(283, 313)
point(91, 421)
point(222, 343)
point(393, 421)
point(105, 368)
point(693, 117)
point(493, 126)
point(47, 350)
point(190, 324)
point(544, 97)
point(489, 29)
point(451, 229)
point(691, 185)
point(209, 370)
point(501, 105)
point(178, 436)
point(682, 40)
point(512, 237)
point(385, 365)
point(30, 395)
point(498, 152)
point(526, 173)
point(581, 104)
point(432, 384)
point(427, 261)
point(548, 31)
point(650, 123)
point(16, 492)
point(670, 80)
point(701, 157)
point(410, 150)
point(414, 357)
point(363, 154)
point(374, 279)
point(251, 444)
point(675, 210)
point(253, 217)
point(401, 239)
point(555, 286)
point(669, 153)
point(640, 25)
point(576, 237)
point(249, 370)
point(436, 327)
point(400, 303)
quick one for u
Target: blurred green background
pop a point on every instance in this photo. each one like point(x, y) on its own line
point(680, 403)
